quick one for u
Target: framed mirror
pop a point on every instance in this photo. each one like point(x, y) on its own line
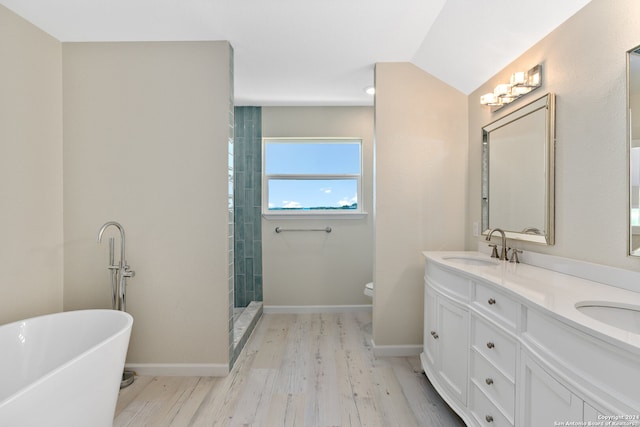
point(518, 173)
point(633, 129)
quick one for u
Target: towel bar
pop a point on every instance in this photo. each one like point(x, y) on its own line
point(326, 229)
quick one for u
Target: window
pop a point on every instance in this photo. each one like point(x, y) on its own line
point(319, 176)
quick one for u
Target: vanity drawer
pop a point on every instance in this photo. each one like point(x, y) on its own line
point(498, 388)
point(453, 285)
point(496, 305)
point(485, 413)
point(494, 345)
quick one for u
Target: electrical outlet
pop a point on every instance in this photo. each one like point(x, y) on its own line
point(476, 229)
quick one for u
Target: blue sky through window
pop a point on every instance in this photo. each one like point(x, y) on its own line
point(298, 175)
point(307, 194)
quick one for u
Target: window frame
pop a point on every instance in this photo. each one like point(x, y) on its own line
point(312, 213)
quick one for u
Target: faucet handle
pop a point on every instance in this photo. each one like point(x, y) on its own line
point(126, 272)
point(514, 255)
point(494, 252)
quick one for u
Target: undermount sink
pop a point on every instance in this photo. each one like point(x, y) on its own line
point(467, 260)
point(619, 315)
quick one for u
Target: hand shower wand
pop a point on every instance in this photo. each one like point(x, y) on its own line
point(114, 275)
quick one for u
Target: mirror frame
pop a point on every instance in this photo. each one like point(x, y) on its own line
point(545, 102)
point(630, 250)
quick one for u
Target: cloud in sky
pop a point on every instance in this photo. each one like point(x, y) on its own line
point(291, 204)
point(326, 190)
point(348, 202)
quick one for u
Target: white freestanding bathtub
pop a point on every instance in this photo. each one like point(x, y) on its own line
point(63, 369)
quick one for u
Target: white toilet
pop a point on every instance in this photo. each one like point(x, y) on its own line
point(368, 289)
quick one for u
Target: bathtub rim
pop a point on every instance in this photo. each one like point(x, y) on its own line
point(125, 329)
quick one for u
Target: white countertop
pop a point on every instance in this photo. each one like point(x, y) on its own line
point(552, 292)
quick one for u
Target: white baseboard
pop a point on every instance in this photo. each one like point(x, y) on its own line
point(302, 309)
point(179, 369)
point(395, 350)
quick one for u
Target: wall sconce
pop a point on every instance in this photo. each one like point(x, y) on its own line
point(520, 84)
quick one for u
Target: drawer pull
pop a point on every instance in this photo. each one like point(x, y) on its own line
point(489, 381)
point(490, 345)
point(491, 301)
point(434, 335)
point(489, 418)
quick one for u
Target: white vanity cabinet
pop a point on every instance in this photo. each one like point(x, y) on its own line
point(431, 329)
point(451, 348)
point(493, 372)
point(446, 329)
point(592, 376)
point(500, 357)
point(544, 399)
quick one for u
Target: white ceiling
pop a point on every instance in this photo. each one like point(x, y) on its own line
point(319, 52)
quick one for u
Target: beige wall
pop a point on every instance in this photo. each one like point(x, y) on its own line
point(584, 65)
point(30, 170)
point(145, 144)
point(319, 268)
point(420, 178)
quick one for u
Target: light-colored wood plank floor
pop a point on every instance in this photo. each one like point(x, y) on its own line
point(296, 370)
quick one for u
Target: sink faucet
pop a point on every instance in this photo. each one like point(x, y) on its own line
point(504, 250)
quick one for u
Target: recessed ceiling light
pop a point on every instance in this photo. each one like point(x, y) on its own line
point(370, 90)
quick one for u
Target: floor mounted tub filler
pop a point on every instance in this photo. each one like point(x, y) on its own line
point(63, 369)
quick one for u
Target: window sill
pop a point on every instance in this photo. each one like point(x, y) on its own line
point(315, 215)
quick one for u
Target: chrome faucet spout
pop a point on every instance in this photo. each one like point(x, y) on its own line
point(503, 252)
point(122, 238)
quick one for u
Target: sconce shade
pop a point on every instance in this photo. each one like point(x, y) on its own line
point(518, 78)
point(489, 99)
point(520, 90)
point(502, 90)
point(534, 77)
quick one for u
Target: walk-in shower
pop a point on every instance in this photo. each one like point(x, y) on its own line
point(247, 174)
